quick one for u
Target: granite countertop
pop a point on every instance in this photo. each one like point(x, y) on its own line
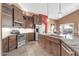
point(71, 40)
point(4, 36)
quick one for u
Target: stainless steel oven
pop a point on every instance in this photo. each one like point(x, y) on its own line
point(21, 39)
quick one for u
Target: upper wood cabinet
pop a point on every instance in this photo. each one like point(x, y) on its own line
point(37, 19)
point(6, 15)
point(17, 13)
point(18, 16)
point(29, 22)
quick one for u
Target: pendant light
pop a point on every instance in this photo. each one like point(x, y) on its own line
point(47, 13)
point(60, 13)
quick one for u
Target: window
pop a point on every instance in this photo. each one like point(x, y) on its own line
point(67, 28)
point(52, 28)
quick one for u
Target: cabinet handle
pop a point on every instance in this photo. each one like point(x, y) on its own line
point(68, 50)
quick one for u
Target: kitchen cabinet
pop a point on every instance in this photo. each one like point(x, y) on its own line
point(76, 54)
point(51, 45)
point(5, 45)
point(55, 46)
point(66, 51)
point(37, 19)
point(30, 36)
point(29, 22)
point(41, 41)
point(12, 42)
point(6, 15)
point(18, 16)
point(8, 44)
point(17, 13)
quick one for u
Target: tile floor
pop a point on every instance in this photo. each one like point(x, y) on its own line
point(30, 49)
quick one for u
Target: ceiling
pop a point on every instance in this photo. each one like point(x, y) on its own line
point(53, 8)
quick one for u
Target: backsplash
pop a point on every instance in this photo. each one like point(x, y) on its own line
point(7, 31)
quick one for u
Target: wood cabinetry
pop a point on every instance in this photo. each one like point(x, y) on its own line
point(6, 15)
point(76, 54)
point(29, 22)
point(55, 46)
point(41, 41)
point(12, 42)
point(5, 45)
point(37, 19)
point(30, 36)
point(9, 43)
point(66, 51)
point(51, 45)
point(18, 16)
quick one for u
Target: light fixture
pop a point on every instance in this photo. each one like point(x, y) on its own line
point(60, 13)
point(47, 13)
point(47, 20)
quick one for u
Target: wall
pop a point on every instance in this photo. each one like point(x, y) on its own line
point(71, 18)
point(51, 21)
point(44, 20)
point(0, 28)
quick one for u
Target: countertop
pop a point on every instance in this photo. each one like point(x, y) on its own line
point(71, 40)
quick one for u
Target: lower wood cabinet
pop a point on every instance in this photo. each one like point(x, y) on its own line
point(5, 45)
point(12, 42)
point(30, 36)
point(9, 43)
point(55, 46)
point(55, 49)
point(76, 54)
point(51, 45)
point(66, 51)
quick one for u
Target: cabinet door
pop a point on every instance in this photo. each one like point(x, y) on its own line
point(30, 36)
point(41, 41)
point(6, 15)
point(5, 45)
point(55, 49)
point(54, 46)
point(77, 54)
point(47, 45)
point(37, 19)
point(6, 9)
point(18, 14)
point(51, 45)
point(12, 42)
point(29, 22)
point(66, 51)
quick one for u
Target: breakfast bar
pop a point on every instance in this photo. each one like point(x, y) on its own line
point(60, 44)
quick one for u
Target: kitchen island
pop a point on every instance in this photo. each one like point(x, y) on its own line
point(60, 44)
